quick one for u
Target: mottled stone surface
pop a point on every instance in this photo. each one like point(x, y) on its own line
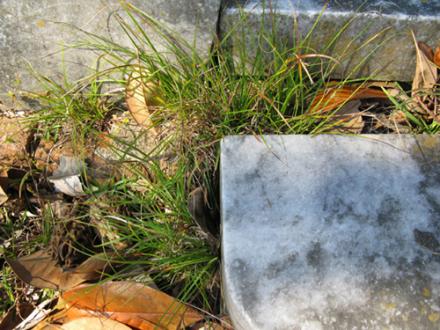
point(331, 232)
point(30, 31)
point(377, 42)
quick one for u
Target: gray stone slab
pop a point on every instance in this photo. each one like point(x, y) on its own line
point(30, 33)
point(331, 232)
point(390, 55)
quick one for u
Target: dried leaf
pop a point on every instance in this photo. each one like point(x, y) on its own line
point(382, 84)
point(426, 75)
point(427, 50)
point(437, 56)
point(131, 303)
point(3, 196)
point(141, 97)
point(37, 315)
point(41, 270)
point(332, 98)
point(16, 315)
point(94, 323)
point(57, 316)
point(197, 206)
point(69, 185)
point(66, 178)
point(396, 122)
point(411, 104)
point(398, 117)
point(348, 118)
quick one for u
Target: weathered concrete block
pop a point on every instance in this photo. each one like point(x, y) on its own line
point(377, 42)
point(331, 232)
point(29, 32)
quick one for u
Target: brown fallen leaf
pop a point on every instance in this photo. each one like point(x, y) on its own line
point(133, 304)
point(94, 323)
point(16, 315)
point(141, 97)
point(41, 270)
point(426, 49)
point(426, 75)
point(332, 98)
point(437, 56)
point(348, 118)
point(37, 315)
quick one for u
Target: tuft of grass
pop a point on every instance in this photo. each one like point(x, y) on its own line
point(151, 219)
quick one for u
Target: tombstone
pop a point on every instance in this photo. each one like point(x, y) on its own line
point(331, 232)
point(378, 41)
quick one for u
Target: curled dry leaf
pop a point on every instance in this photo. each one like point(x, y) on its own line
point(332, 98)
point(41, 270)
point(94, 323)
point(141, 97)
point(131, 303)
point(426, 75)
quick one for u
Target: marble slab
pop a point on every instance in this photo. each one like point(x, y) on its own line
point(377, 42)
point(331, 232)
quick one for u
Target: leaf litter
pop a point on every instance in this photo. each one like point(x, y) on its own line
point(377, 112)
